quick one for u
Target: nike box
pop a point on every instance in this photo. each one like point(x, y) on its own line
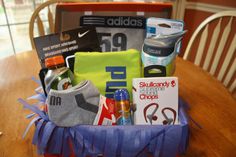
point(120, 25)
point(67, 43)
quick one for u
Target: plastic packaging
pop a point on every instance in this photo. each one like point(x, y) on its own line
point(58, 76)
point(122, 107)
point(158, 54)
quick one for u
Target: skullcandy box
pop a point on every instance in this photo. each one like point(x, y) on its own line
point(156, 100)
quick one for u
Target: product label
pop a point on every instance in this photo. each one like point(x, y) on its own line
point(118, 79)
point(122, 110)
point(67, 43)
point(156, 100)
point(62, 81)
point(153, 60)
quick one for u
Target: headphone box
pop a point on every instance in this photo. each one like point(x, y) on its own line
point(156, 100)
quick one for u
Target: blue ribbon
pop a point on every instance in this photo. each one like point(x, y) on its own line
point(46, 134)
point(66, 150)
point(29, 126)
point(54, 145)
point(39, 125)
point(33, 109)
point(36, 81)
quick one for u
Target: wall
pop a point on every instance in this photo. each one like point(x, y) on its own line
point(196, 11)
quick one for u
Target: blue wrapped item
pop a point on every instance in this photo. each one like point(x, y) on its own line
point(111, 141)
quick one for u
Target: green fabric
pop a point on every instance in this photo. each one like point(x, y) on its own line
point(170, 68)
point(93, 66)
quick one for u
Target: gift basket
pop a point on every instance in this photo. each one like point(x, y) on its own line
point(113, 101)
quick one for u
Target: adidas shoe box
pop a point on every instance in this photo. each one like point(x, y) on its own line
point(119, 26)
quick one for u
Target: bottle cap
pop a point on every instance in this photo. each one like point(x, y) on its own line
point(53, 61)
point(121, 94)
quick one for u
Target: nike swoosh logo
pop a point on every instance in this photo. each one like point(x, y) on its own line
point(83, 34)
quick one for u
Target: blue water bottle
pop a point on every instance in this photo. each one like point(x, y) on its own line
point(122, 107)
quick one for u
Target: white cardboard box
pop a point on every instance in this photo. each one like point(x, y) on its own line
point(156, 100)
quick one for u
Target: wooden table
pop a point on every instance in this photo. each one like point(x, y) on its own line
point(211, 105)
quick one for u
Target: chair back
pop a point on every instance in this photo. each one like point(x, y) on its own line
point(216, 50)
point(41, 24)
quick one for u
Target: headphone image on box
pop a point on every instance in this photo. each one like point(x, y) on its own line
point(150, 115)
point(168, 120)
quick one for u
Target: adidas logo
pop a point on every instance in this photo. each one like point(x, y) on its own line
point(124, 21)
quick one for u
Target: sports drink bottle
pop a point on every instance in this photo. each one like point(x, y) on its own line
point(58, 76)
point(122, 107)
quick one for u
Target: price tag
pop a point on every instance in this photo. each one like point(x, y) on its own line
point(88, 13)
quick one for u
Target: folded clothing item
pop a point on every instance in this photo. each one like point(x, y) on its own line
point(76, 105)
point(108, 71)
